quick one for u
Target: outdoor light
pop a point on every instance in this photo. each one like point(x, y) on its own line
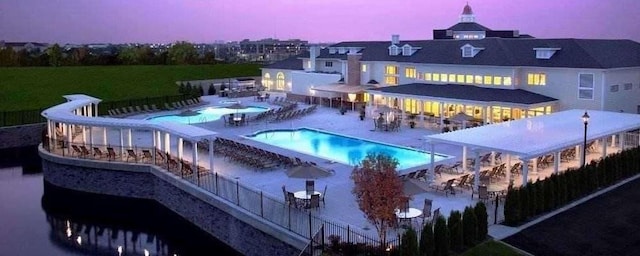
point(585, 120)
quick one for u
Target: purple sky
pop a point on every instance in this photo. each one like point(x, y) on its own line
point(117, 21)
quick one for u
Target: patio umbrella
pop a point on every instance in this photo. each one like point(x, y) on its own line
point(307, 171)
point(462, 117)
point(188, 112)
point(383, 109)
point(236, 106)
point(412, 187)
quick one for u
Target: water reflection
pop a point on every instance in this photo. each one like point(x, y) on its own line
point(104, 225)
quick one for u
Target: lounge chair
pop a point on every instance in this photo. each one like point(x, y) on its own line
point(97, 152)
point(131, 154)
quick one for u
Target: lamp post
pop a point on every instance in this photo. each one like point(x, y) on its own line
point(585, 120)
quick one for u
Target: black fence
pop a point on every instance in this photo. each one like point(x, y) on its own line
point(33, 116)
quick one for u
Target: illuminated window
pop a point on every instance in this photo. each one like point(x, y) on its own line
point(506, 80)
point(267, 82)
point(497, 80)
point(488, 80)
point(436, 77)
point(391, 80)
point(427, 76)
point(452, 77)
point(469, 79)
point(585, 86)
point(364, 67)
point(391, 70)
point(460, 79)
point(280, 81)
point(477, 79)
point(443, 77)
point(410, 72)
point(536, 79)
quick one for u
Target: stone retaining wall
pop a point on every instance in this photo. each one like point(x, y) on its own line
point(21, 135)
point(239, 229)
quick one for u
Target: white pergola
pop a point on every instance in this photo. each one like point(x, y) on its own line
point(82, 110)
point(536, 136)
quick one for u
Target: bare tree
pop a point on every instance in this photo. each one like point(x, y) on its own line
point(378, 191)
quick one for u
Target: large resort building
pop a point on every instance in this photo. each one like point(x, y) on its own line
point(492, 75)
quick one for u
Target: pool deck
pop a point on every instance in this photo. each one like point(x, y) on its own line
point(341, 206)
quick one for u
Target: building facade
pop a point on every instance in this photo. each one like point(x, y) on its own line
point(492, 75)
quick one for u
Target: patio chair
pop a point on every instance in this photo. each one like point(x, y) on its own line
point(85, 151)
point(446, 187)
point(426, 209)
point(482, 192)
point(146, 154)
point(131, 154)
point(309, 187)
point(97, 152)
point(292, 199)
point(314, 202)
point(111, 154)
point(324, 194)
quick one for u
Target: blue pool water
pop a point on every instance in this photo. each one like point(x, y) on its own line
point(342, 149)
point(206, 115)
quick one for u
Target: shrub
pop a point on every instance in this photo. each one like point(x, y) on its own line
point(455, 230)
point(483, 221)
point(523, 195)
point(511, 208)
point(469, 227)
point(427, 244)
point(409, 243)
point(441, 237)
point(212, 90)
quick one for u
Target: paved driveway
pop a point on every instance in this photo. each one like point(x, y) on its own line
point(606, 225)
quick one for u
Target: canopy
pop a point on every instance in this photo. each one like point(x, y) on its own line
point(342, 88)
point(536, 136)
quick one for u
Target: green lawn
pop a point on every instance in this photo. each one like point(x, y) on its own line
point(39, 87)
point(491, 248)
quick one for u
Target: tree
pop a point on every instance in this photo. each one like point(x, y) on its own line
point(441, 237)
point(409, 243)
point(455, 230)
point(378, 191)
point(427, 245)
point(212, 90)
point(469, 227)
point(55, 55)
point(128, 56)
point(209, 58)
point(182, 53)
point(483, 222)
point(7, 57)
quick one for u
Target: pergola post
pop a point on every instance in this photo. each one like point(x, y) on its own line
point(180, 147)
point(464, 158)
point(556, 161)
point(194, 157)
point(167, 143)
point(604, 147)
point(613, 141)
point(155, 143)
point(441, 110)
point(84, 134)
point(211, 144)
point(580, 149)
point(121, 142)
point(49, 133)
point(104, 136)
point(129, 139)
point(525, 171)
point(69, 137)
point(623, 140)
point(432, 177)
point(476, 169)
point(535, 166)
point(91, 137)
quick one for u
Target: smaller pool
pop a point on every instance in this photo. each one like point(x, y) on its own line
point(205, 115)
point(339, 148)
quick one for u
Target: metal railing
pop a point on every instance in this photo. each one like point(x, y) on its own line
point(299, 221)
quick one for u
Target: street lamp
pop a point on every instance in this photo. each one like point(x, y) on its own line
point(585, 120)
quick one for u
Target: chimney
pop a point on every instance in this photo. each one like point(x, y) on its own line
point(314, 51)
point(395, 39)
point(353, 69)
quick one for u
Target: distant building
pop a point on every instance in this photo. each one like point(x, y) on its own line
point(492, 75)
point(29, 46)
point(270, 50)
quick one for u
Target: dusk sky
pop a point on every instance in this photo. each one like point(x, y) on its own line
point(118, 21)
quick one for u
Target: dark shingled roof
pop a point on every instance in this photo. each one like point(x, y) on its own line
point(291, 63)
point(468, 26)
point(468, 92)
point(574, 53)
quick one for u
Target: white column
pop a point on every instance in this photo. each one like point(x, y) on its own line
point(180, 149)
point(211, 144)
point(84, 134)
point(49, 132)
point(579, 150)
point(104, 136)
point(167, 143)
point(525, 171)
point(623, 140)
point(69, 138)
point(195, 157)
point(613, 141)
point(432, 177)
point(535, 166)
point(129, 140)
point(556, 161)
point(493, 158)
point(441, 108)
point(91, 136)
point(508, 172)
point(604, 147)
point(121, 142)
point(155, 143)
point(96, 109)
point(476, 169)
point(464, 158)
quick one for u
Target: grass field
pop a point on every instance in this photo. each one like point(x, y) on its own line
point(39, 87)
point(491, 248)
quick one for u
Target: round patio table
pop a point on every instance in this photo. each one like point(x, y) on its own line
point(304, 196)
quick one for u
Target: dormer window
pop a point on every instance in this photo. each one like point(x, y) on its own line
point(332, 50)
point(406, 50)
point(468, 51)
point(393, 50)
point(545, 53)
point(342, 50)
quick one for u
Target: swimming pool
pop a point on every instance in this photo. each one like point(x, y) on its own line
point(205, 115)
point(339, 148)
